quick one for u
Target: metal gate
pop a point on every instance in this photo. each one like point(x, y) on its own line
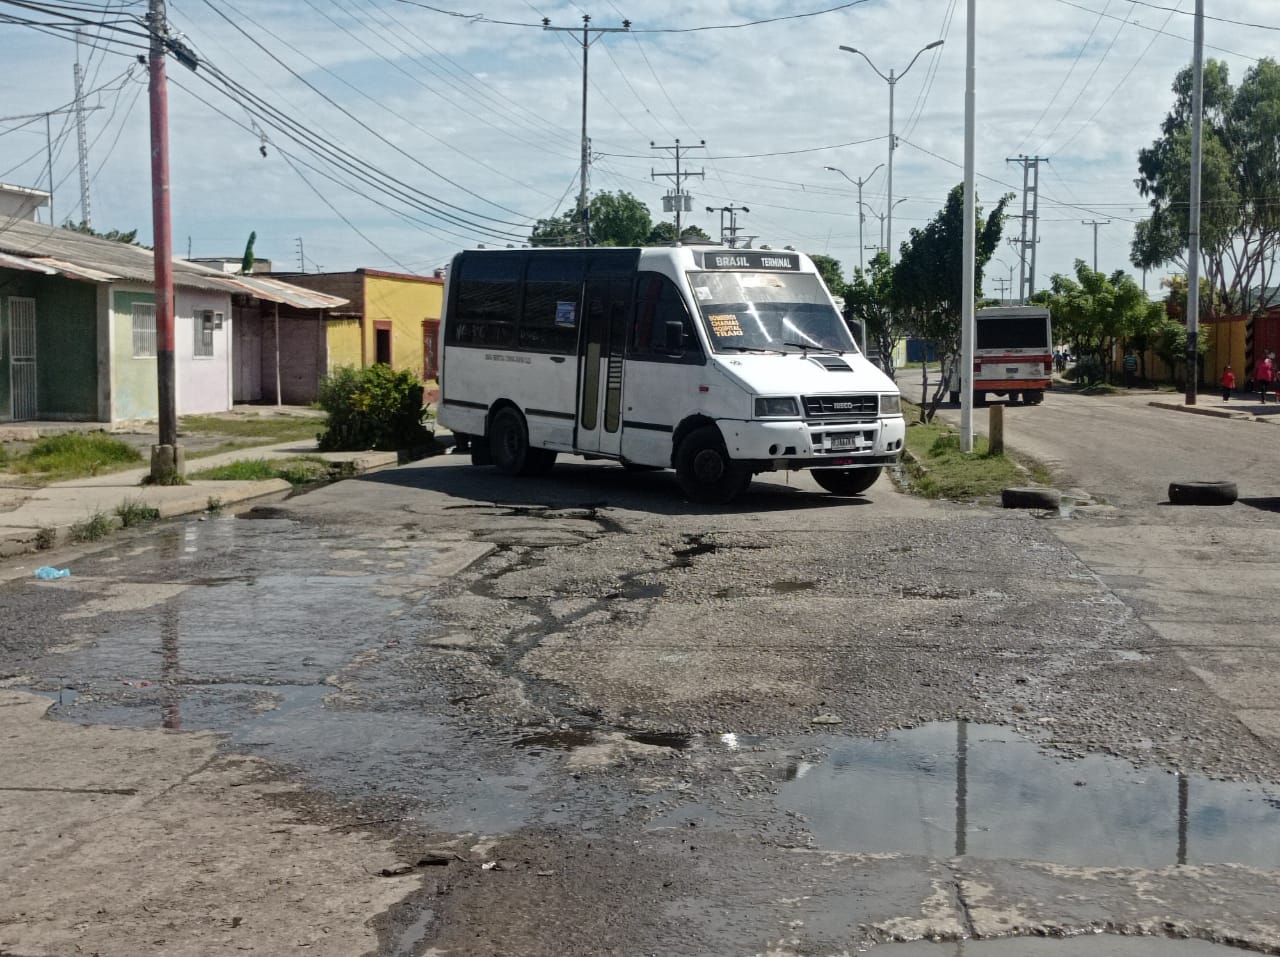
point(22, 357)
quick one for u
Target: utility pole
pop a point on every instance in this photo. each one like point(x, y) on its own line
point(82, 146)
point(1095, 223)
point(677, 200)
point(586, 41)
point(1027, 246)
point(167, 461)
point(729, 236)
point(1193, 237)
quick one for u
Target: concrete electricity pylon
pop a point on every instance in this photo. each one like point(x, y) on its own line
point(82, 143)
point(1095, 223)
point(586, 41)
point(729, 235)
point(677, 200)
point(1030, 197)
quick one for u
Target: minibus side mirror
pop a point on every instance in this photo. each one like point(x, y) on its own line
point(675, 338)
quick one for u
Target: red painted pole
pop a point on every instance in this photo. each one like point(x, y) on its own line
point(162, 238)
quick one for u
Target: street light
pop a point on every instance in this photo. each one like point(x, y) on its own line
point(860, 182)
point(892, 79)
point(882, 216)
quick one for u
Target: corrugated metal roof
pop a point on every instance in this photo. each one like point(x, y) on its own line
point(273, 290)
point(49, 249)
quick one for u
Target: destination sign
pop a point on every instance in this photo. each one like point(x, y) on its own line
point(750, 259)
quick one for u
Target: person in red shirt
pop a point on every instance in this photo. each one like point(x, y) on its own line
point(1262, 374)
point(1228, 383)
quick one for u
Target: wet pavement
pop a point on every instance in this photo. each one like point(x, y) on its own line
point(732, 740)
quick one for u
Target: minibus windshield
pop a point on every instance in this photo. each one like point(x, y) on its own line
point(768, 312)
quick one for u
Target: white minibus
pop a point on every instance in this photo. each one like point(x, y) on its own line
point(719, 363)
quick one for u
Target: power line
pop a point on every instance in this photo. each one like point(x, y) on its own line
point(359, 122)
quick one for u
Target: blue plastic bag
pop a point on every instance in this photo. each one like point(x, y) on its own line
point(45, 573)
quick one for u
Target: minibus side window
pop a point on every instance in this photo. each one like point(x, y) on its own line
point(486, 301)
point(553, 290)
point(658, 302)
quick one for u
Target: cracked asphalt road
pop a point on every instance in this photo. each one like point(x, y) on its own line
point(607, 706)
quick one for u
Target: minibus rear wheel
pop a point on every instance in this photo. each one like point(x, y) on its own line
point(704, 470)
point(847, 481)
point(509, 446)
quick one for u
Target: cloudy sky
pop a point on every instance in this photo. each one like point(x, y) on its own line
point(398, 132)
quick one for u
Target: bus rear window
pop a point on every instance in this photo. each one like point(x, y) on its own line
point(1012, 332)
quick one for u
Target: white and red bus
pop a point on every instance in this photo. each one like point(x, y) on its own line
point(1012, 354)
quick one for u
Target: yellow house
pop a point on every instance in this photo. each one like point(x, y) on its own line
point(391, 318)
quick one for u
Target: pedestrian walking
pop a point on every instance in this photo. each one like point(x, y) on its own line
point(1263, 372)
point(1228, 383)
point(1130, 368)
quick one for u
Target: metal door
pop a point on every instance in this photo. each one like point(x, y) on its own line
point(22, 358)
point(606, 297)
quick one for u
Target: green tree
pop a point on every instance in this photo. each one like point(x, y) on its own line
point(619, 219)
point(1097, 314)
point(1240, 176)
point(869, 299)
point(129, 237)
point(664, 234)
point(246, 263)
point(928, 282)
point(615, 219)
point(832, 274)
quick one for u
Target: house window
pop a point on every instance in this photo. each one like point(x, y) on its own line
point(144, 330)
point(206, 321)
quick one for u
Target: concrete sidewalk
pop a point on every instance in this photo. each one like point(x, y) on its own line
point(38, 517)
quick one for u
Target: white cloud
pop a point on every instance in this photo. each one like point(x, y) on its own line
point(496, 110)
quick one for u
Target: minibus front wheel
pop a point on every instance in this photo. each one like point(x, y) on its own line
point(704, 470)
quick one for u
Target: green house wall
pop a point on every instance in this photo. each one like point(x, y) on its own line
point(134, 389)
point(66, 344)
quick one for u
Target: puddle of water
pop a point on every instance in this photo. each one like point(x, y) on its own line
point(949, 790)
point(1094, 945)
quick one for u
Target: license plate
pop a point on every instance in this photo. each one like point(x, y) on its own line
point(848, 440)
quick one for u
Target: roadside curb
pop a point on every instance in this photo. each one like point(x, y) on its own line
point(50, 516)
point(1197, 410)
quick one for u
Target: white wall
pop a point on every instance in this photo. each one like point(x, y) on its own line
point(204, 383)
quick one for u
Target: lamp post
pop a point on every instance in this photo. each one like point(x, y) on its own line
point(892, 79)
point(859, 182)
point(889, 215)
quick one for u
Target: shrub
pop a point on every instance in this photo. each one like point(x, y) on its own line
point(136, 513)
point(94, 528)
point(372, 408)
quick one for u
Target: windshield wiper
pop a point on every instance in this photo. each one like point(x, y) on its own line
point(806, 348)
point(762, 349)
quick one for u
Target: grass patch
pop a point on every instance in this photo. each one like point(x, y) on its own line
point(298, 470)
point(94, 528)
point(136, 513)
point(46, 538)
point(936, 468)
point(75, 455)
point(268, 428)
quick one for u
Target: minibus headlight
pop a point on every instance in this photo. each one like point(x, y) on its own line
point(779, 407)
point(890, 404)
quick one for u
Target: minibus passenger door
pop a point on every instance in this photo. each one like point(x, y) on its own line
point(606, 300)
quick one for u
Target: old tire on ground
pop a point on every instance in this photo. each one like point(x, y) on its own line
point(1030, 497)
point(847, 481)
point(509, 444)
point(704, 470)
point(1202, 493)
